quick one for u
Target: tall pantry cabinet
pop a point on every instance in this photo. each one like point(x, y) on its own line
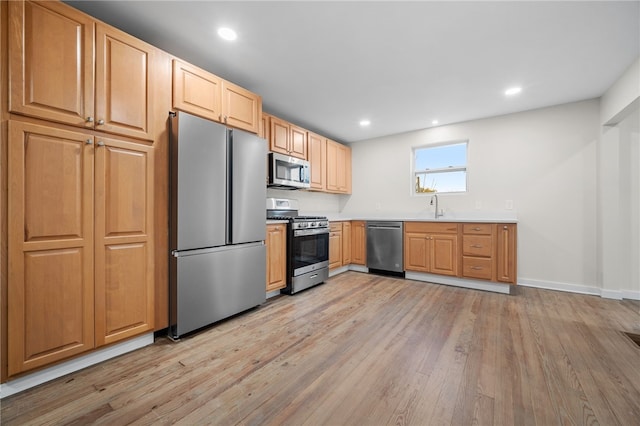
point(80, 185)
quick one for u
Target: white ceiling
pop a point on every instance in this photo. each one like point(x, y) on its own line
point(327, 65)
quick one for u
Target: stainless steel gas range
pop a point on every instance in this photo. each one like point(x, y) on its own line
point(307, 245)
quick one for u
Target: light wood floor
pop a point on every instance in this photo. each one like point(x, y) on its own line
point(368, 350)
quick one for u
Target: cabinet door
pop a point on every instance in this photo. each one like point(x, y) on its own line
point(276, 243)
point(416, 252)
point(506, 253)
point(341, 176)
point(338, 167)
point(317, 157)
point(332, 166)
point(346, 243)
point(124, 103)
point(264, 127)
point(241, 108)
point(51, 62)
point(196, 91)
point(358, 242)
point(278, 135)
point(335, 246)
point(444, 254)
point(50, 243)
point(124, 245)
point(298, 142)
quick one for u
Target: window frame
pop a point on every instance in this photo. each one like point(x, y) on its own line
point(458, 168)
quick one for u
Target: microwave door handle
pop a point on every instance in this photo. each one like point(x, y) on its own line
point(301, 174)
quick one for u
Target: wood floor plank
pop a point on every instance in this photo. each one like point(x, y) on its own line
point(370, 350)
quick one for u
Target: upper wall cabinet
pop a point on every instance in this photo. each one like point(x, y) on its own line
point(65, 67)
point(286, 138)
point(199, 92)
point(338, 168)
point(317, 149)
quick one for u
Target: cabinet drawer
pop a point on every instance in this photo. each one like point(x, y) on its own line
point(477, 228)
point(477, 245)
point(335, 226)
point(477, 267)
point(431, 227)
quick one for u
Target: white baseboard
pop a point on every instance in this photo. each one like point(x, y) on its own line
point(273, 293)
point(554, 285)
point(581, 289)
point(358, 268)
point(339, 270)
point(34, 379)
point(459, 282)
point(632, 295)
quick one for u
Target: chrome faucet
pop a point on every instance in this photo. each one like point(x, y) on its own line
point(438, 213)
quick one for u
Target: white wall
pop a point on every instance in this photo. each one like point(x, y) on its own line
point(544, 161)
point(619, 99)
point(618, 221)
point(310, 202)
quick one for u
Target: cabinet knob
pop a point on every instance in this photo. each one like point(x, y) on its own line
point(225, 118)
point(101, 122)
point(89, 119)
point(100, 143)
point(504, 227)
point(89, 142)
point(476, 229)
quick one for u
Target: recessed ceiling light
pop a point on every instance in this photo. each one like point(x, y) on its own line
point(365, 123)
point(513, 91)
point(434, 122)
point(227, 34)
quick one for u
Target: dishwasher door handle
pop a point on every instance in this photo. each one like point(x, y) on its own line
point(382, 227)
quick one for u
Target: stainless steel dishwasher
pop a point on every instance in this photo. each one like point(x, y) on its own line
point(384, 246)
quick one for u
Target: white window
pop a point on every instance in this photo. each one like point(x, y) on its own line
point(440, 168)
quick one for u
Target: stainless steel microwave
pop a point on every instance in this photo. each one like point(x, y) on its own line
point(288, 172)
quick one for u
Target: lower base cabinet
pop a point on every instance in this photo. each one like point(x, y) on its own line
point(359, 242)
point(431, 247)
point(80, 243)
point(488, 250)
point(276, 243)
point(335, 245)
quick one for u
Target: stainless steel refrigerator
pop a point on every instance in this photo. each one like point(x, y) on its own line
point(217, 261)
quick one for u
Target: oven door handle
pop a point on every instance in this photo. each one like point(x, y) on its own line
point(304, 232)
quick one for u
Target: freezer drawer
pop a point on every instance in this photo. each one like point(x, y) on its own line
point(213, 284)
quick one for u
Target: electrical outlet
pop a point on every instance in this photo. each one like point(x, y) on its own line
point(508, 204)
point(478, 205)
point(378, 206)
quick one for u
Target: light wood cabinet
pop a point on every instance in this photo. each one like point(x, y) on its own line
point(506, 256)
point(335, 245)
point(276, 243)
point(346, 243)
point(55, 52)
point(204, 94)
point(359, 242)
point(478, 249)
point(317, 150)
point(431, 247)
point(197, 91)
point(80, 243)
point(124, 286)
point(340, 242)
point(338, 168)
point(287, 138)
point(264, 126)
point(50, 237)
